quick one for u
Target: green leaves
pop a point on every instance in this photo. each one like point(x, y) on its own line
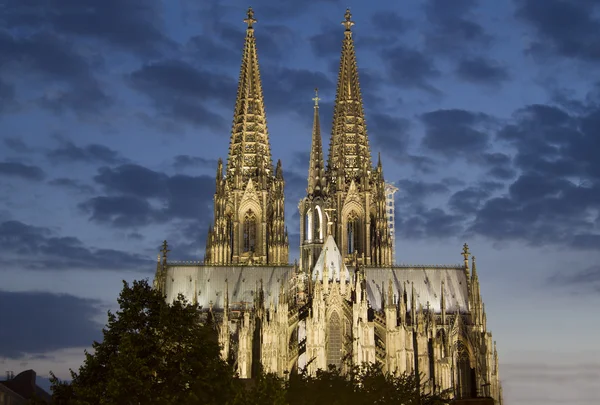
point(151, 353)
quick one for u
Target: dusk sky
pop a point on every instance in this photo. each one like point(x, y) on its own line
point(486, 113)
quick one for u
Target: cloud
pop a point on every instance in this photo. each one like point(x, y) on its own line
point(66, 321)
point(72, 184)
point(27, 172)
point(16, 145)
point(40, 248)
point(132, 25)
point(468, 201)
point(49, 57)
point(480, 70)
point(588, 278)
point(68, 152)
point(327, 43)
point(178, 90)
point(7, 96)
point(410, 68)
point(434, 223)
point(390, 134)
point(562, 28)
point(138, 196)
point(390, 22)
point(182, 162)
point(452, 132)
point(453, 28)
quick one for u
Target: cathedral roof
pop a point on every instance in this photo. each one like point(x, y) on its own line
point(427, 282)
point(206, 285)
point(331, 260)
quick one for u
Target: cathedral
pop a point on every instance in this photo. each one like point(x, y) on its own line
point(345, 302)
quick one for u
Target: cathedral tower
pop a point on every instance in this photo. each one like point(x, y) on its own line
point(313, 228)
point(249, 202)
point(356, 188)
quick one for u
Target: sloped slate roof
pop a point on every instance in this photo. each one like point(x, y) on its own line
point(427, 282)
point(210, 283)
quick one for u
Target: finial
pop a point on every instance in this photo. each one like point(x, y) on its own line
point(466, 252)
point(158, 257)
point(250, 19)
point(316, 97)
point(165, 250)
point(348, 20)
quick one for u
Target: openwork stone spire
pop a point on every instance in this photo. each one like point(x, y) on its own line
point(349, 149)
point(249, 149)
point(316, 169)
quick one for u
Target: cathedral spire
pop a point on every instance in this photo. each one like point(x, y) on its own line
point(249, 149)
point(349, 145)
point(316, 169)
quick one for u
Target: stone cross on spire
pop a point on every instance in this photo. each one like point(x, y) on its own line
point(348, 23)
point(250, 20)
point(316, 97)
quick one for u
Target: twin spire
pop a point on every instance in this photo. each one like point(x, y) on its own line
point(249, 149)
point(349, 151)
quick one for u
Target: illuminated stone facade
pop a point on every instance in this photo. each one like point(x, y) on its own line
point(345, 302)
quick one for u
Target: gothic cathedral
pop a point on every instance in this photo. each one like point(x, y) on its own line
point(346, 301)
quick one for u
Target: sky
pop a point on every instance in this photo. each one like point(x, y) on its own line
point(113, 114)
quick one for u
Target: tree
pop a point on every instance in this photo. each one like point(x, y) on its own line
point(152, 353)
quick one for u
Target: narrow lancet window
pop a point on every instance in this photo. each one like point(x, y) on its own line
point(249, 231)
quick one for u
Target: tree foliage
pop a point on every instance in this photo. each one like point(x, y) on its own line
point(151, 353)
point(156, 353)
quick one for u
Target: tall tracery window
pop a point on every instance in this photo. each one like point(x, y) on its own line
point(317, 230)
point(249, 231)
point(230, 234)
point(466, 375)
point(335, 336)
point(308, 221)
point(352, 233)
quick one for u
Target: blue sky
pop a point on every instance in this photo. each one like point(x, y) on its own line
point(113, 114)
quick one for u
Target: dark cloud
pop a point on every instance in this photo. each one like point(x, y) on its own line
point(390, 134)
point(182, 162)
point(453, 27)
point(68, 152)
point(138, 196)
point(72, 184)
point(281, 82)
point(122, 211)
point(563, 28)
point(426, 223)
point(452, 132)
point(327, 43)
point(133, 25)
point(480, 70)
point(469, 200)
point(390, 22)
point(498, 165)
point(16, 145)
point(410, 68)
point(587, 280)
point(16, 169)
point(7, 96)
point(415, 190)
point(46, 56)
point(40, 248)
point(178, 90)
point(66, 321)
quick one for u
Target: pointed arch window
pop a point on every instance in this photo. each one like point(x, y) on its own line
point(317, 222)
point(308, 225)
point(249, 231)
point(352, 232)
point(334, 340)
